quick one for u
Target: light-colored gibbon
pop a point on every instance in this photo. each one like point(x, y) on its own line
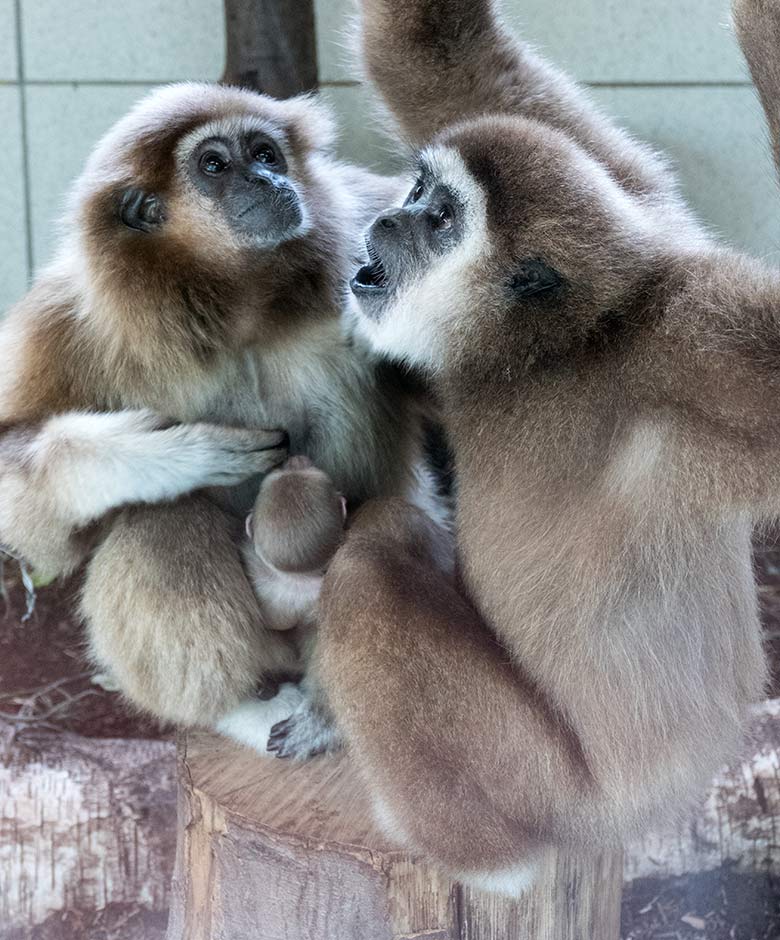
point(293, 531)
point(197, 296)
point(609, 376)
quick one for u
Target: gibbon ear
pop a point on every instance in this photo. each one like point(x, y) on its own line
point(532, 277)
point(140, 210)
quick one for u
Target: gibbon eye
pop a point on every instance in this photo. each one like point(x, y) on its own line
point(264, 154)
point(416, 194)
point(213, 163)
point(442, 219)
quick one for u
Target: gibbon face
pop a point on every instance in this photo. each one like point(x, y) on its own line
point(512, 239)
point(205, 175)
point(241, 168)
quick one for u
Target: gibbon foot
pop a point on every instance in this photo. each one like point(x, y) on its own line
point(308, 732)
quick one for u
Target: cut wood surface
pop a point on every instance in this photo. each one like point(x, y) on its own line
point(85, 824)
point(273, 851)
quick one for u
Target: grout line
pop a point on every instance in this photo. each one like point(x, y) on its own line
point(91, 82)
point(25, 139)
point(598, 84)
point(336, 83)
point(701, 84)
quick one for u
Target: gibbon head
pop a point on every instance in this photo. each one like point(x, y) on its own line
point(512, 241)
point(297, 522)
point(203, 178)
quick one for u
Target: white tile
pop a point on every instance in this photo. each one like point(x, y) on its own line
point(633, 40)
point(13, 221)
point(334, 38)
point(717, 138)
point(616, 41)
point(134, 40)
point(8, 61)
point(361, 138)
point(63, 124)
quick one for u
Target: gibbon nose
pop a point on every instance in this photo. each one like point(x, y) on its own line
point(257, 173)
point(391, 219)
point(397, 220)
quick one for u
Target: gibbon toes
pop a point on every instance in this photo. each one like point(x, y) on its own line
point(251, 722)
point(307, 733)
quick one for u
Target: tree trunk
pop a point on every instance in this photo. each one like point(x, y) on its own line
point(269, 850)
point(271, 46)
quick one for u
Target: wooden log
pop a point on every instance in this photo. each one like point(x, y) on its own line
point(85, 831)
point(271, 46)
point(269, 850)
point(735, 825)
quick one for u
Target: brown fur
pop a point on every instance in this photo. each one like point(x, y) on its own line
point(758, 30)
point(615, 440)
point(443, 61)
point(297, 519)
point(217, 337)
point(297, 524)
point(211, 619)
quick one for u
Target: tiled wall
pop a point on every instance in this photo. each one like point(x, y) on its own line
point(670, 70)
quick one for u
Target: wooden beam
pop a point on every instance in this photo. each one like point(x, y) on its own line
point(271, 46)
point(278, 851)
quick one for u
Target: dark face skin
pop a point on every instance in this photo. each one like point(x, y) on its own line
point(246, 176)
point(402, 242)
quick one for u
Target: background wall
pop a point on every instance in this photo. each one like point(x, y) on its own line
point(670, 70)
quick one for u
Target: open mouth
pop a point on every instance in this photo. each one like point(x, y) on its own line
point(372, 276)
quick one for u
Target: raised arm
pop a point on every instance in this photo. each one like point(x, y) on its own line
point(437, 62)
point(757, 24)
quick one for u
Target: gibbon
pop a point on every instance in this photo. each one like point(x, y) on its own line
point(197, 296)
point(606, 374)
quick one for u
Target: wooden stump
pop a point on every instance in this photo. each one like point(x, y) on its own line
point(269, 850)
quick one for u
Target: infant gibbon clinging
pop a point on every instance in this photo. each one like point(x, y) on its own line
point(294, 529)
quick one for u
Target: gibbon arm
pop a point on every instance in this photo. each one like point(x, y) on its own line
point(469, 761)
point(68, 472)
point(67, 458)
point(757, 24)
point(708, 409)
point(438, 62)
